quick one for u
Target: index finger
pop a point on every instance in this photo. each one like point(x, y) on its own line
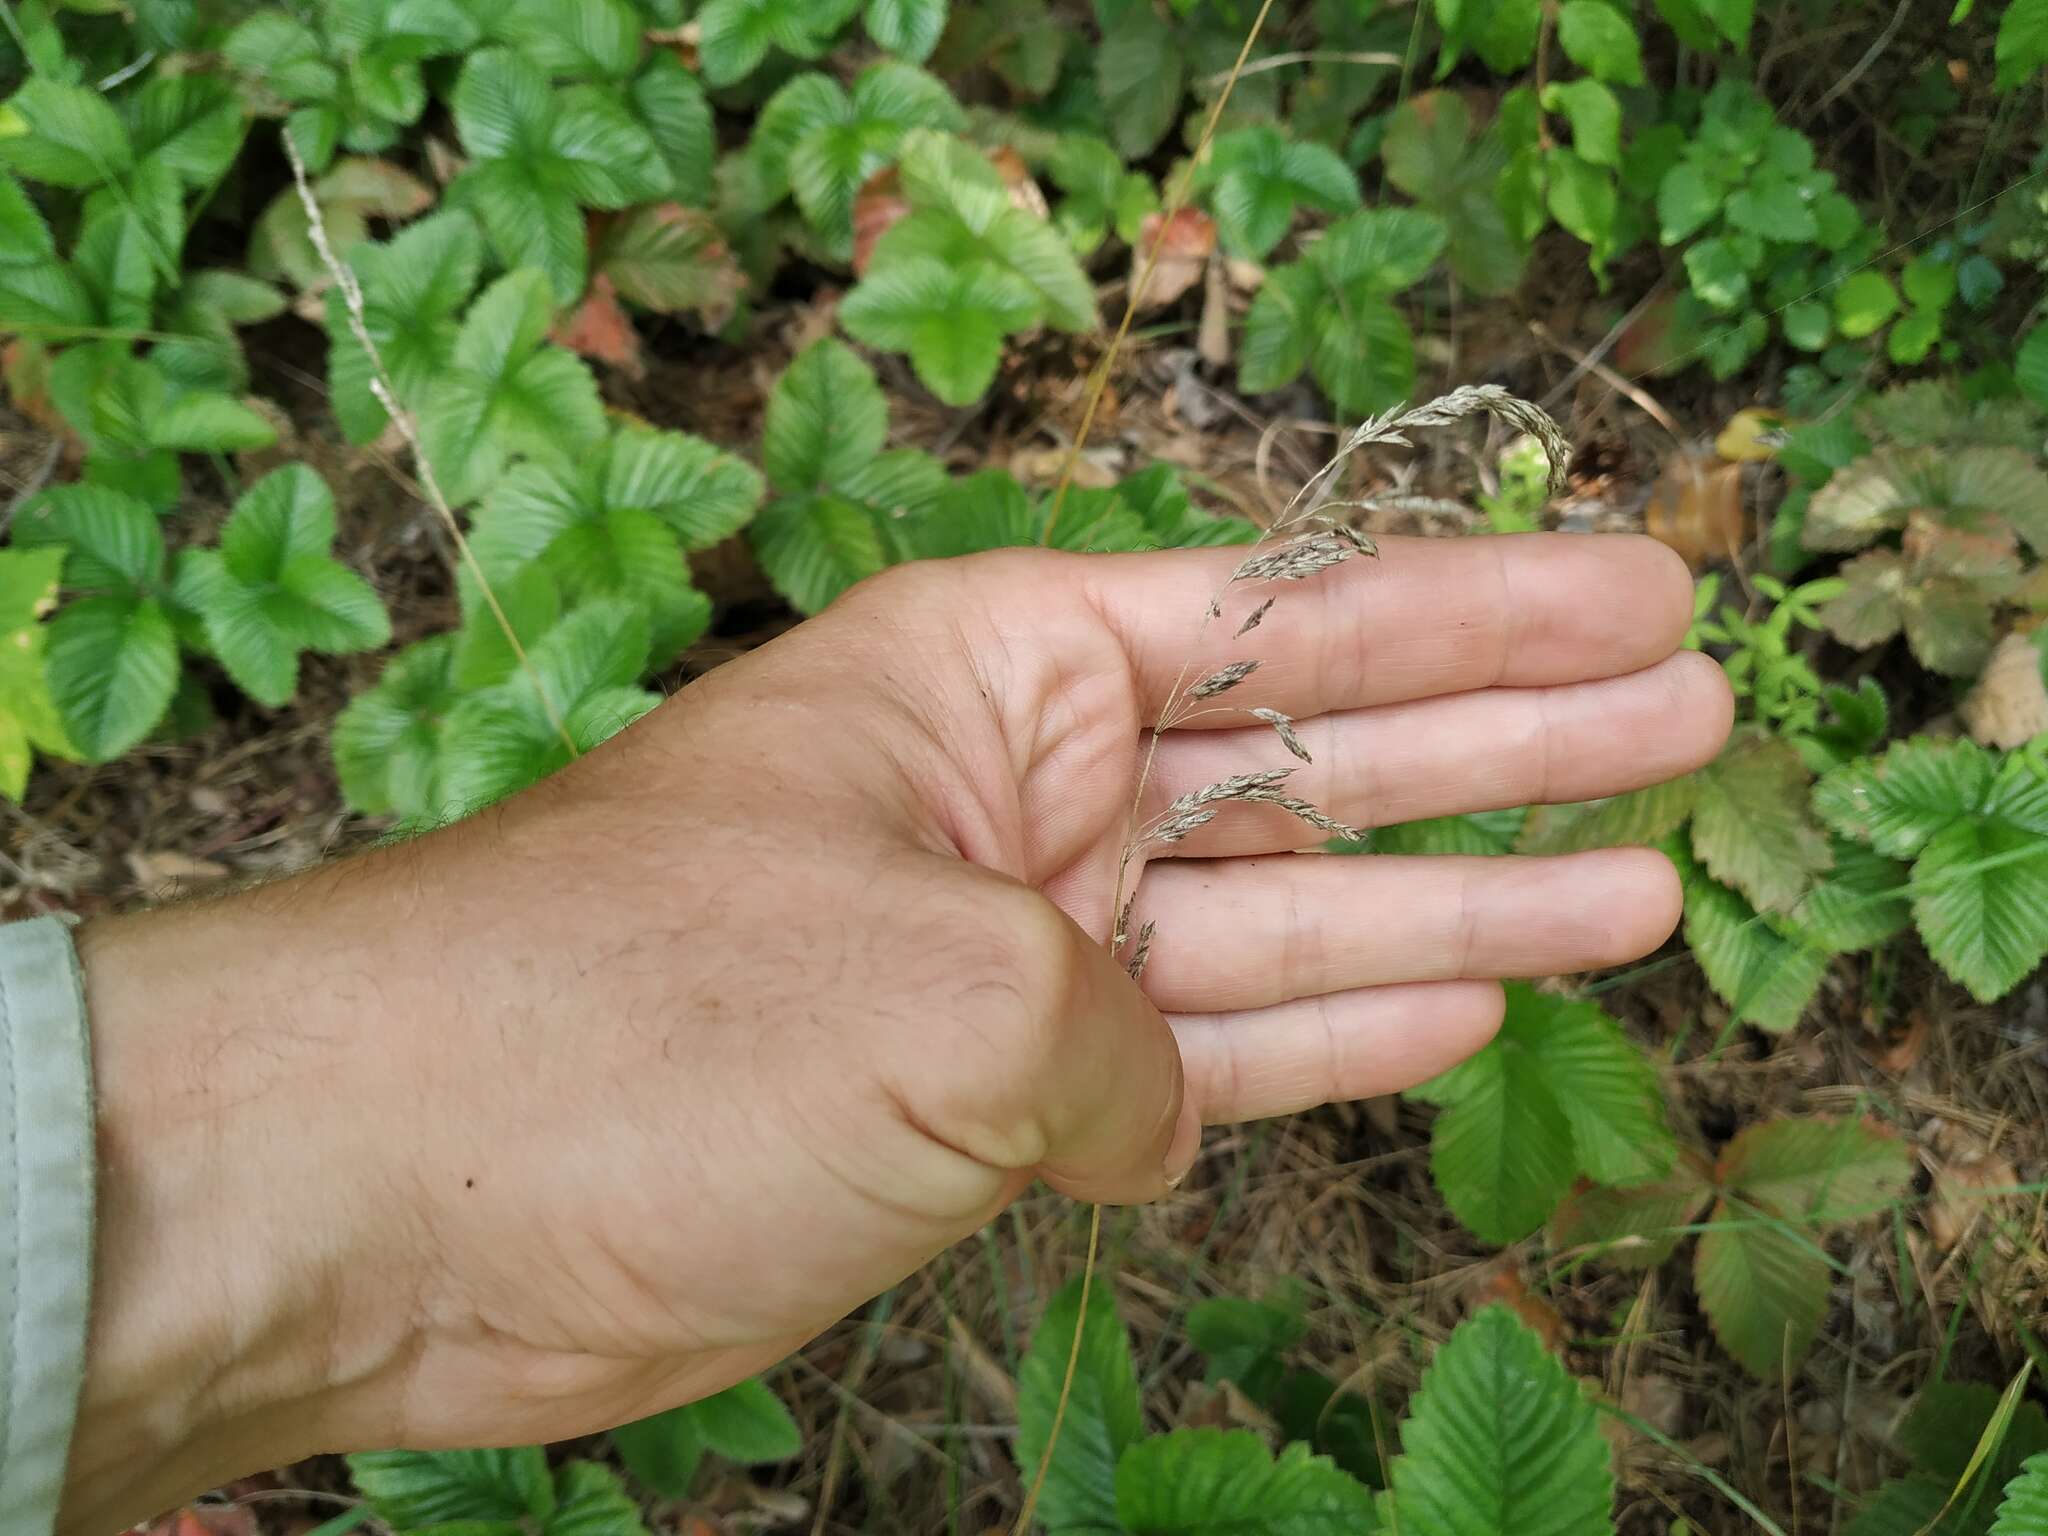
point(1428, 617)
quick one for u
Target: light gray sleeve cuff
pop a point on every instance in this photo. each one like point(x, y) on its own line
point(46, 1215)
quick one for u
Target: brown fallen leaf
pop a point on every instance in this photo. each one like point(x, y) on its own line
point(600, 329)
point(1962, 1193)
point(1212, 336)
point(1901, 1051)
point(1177, 251)
point(1696, 507)
point(1025, 193)
point(2009, 706)
point(1507, 1286)
point(876, 207)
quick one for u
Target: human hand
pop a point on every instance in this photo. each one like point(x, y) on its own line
point(617, 1092)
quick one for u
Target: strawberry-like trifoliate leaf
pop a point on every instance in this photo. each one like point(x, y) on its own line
point(540, 155)
point(1102, 197)
point(1329, 313)
point(910, 29)
point(353, 192)
point(1140, 75)
point(823, 141)
point(745, 1424)
point(1859, 903)
point(592, 1500)
point(135, 420)
point(1750, 826)
point(826, 418)
point(414, 287)
point(579, 678)
point(1973, 489)
point(813, 547)
point(1256, 179)
point(273, 589)
point(69, 136)
point(673, 259)
point(1898, 802)
point(951, 320)
point(112, 541)
point(735, 36)
point(573, 39)
point(1558, 1092)
point(670, 104)
point(962, 215)
point(1766, 967)
point(1103, 1419)
point(1193, 1482)
point(1980, 886)
point(617, 526)
point(29, 721)
point(505, 394)
point(1499, 1437)
point(1760, 1269)
point(1430, 154)
point(1637, 1227)
point(387, 742)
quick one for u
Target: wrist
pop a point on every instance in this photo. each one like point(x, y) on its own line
point(249, 1299)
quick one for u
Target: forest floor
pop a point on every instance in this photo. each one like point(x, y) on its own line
point(906, 1407)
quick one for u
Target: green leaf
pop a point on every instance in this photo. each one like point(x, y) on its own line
point(1103, 1417)
point(908, 28)
point(1483, 833)
point(2022, 46)
point(200, 421)
point(112, 668)
point(1559, 1091)
point(490, 1493)
point(1593, 112)
point(387, 742)
point(29, 720)
point(1427, 156)
point(1859, 903)
point(736, 35)
point(1764, 1287)
point(950, 320)
point(1774, 207)
point(591, 1501)
point(113, 541)
point(704, 493)
point(1212, 1482)
point(747, 1424)
point(1864, 302)
point(1279, 329)
point(1247, 1341)
point(1984, 922)
point(2024, 1509)
point(1950, 1419)
point(814, 547)
point(191, 125)
point(72, 137)
point(1639, 818)
point(826, 418)
point(1749, 826)
point(413, 288)
point(24, 236)
point(1101, 196)
point(1718, 273)
point(1601, 41)
point(1906, 1506)
point(1499, 1438)
point(1686, 199)
point(1256, 179)
point(1766, 968)
point(1732, 18)
point(1808, 325)
point(1900, 801)
point(1140, 72)
point(1582, 198)
point(2030, 366)
point(663, 1452)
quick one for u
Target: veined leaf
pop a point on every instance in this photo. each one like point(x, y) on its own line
point(413, 288)
point(735, 36)
point(1101, 196)
point(951, 320)
point(1103, 1418)
point(814, 547)
point(826, 418)
point(1764, 1285)
point(1559, 1091)
point(1499, 1438)
point(112, 667)
point(72, 137)
point(1749, 823)
point(1140, 73)
point(591, 1501)
point(1634, 1228)
point(673, 259)
point(1857, 904)
point(1766, 968)
point(1900, 801)
point(1639, 818)
point(1212, 1482)
point(1256, 179)
point(113, 541)
point(1430, 154)
point(907, 28)
point(1815, 1170)
point(2024, 1509)
point(493, 1493)
point(1980, 899)
point(387, 742)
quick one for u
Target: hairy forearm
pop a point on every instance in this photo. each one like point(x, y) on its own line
point(242, 1313)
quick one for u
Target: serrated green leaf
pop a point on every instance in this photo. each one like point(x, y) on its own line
point(663, 1451)
point(951, 320)
point(1816, 1170)
point(1767, 969)
point(1900, 801)
point(1140, 72)
point(494, 1492)
point(113, 541)
point(387, 742)
point(1101, 196)
point(1864, 302)
point(574, 39)
point(29, 721)
point(826, 417)
point(1212, 1482)
point(1980, 900)
point(1279, 329)
point(1638, 818)
point(71, 137)
point(1256, 179)
point(413, 288)
point(1600, 40)
point(1247, 1341)
point(814, 547)
point(2022, 46)
point(1774, 207)
point(591, 1501)
point(673, 259)
point(1103, 1418)
point(747, 1424)
point(2023, 1511)
point(1750, 826)
point(1859, 903)
point(736, 35)
point(1499, 1438)
point(190, 124)
point(1558, 1091)
point(1483, 833)
point(1428, 157)
point(112, 666)
point(1686, 200)
point(1905, 1506)
point(907, 28)
point(1764, 1287)
point(1950, 1419)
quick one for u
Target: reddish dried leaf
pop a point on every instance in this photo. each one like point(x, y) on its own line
point(600, 329)
point(1696, 507)
point(1177, 250)
point(1507, 1286)
point(878, 205)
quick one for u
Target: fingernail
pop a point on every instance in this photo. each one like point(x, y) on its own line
point(1186, 1147)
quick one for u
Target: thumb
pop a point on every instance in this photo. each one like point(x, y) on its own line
point(1108, 1088)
